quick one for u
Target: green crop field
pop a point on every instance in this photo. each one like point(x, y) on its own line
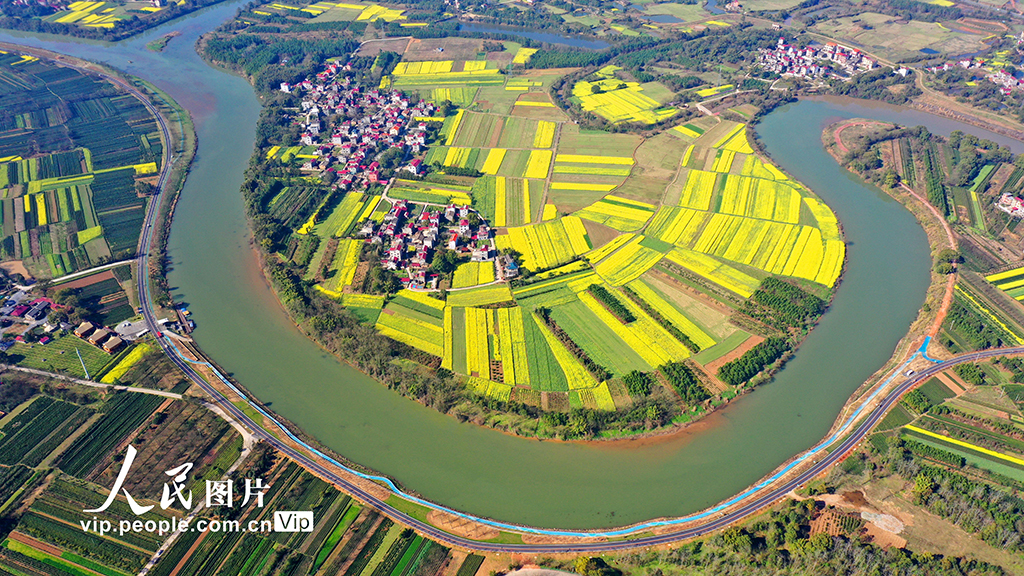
point(61, 355)
point(81, 201)
point(597, 338)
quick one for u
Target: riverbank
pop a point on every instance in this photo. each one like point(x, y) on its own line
point(940, 288)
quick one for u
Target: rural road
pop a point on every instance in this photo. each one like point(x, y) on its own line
point(758, 498)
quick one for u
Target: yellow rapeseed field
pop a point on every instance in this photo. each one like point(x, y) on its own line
point(539, 163)
point(545, 135)
point(494, 158)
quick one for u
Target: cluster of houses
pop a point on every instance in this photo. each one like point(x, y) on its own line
point(350, 148)
point(420, 236)
point(1012, 205)
point(806, 62)
point(377, 120)
point(1007, 82)
point(99, 337)
point(34, 311)
point(965, 63)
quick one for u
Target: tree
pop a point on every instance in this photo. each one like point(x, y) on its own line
point(891, 179)
point(949, 255)
point(144, 188)
point(638, 383)
point(445, 261)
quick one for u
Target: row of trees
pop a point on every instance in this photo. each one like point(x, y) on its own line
point(685, 382)
point(978, 332)
point(664, 322)
point(992, 512)
point(753, 361)
point(782, 306)
point(613, 304)
point(600, 373)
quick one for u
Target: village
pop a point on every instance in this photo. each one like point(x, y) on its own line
point(351, 151)
point(789, 60)
point(999, 76)
point(411, 232)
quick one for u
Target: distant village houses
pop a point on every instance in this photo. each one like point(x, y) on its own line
point(812, 61)
point(350, 148)
point(1012, 205)
point(375, 121)
point(1007, 82)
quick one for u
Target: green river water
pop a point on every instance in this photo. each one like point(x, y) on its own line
point(481, 471)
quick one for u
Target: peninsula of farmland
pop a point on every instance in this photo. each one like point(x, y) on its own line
point(473, 223)
point(78, 158)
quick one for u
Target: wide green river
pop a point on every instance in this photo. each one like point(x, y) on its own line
point(481, 471)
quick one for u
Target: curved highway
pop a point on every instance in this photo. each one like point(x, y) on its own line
point(760, 497)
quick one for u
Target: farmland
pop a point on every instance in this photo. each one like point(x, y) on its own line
point(72, 199)
point(1010, 281)
point(734, 221)
point(619, 101)
point(577, 213)
point(44, 537)
point(348, 538)
point(69, 442)
point(60, 355)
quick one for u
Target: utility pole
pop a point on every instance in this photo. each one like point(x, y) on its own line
point(84, 369)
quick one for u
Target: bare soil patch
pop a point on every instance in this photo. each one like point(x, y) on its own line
point(442, 49)
point(15, 267)
point(535, 97)
point(540, 113)
point(950, 383)
point(375, 47)
point(883, 538)
point(599, 233)
point(37, 544)
point(87, 280)
point(749, 343)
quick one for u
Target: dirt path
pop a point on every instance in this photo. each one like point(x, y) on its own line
point(947, 298)
point(839, 132)
point(188, 554)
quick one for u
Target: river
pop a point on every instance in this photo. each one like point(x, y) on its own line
point(482, 471)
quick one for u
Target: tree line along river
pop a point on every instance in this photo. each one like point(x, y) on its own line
point(481, 471)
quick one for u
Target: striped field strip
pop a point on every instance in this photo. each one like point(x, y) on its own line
point(965, 445)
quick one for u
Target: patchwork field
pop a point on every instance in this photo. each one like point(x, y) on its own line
point(1010, 281)
point(620, 101)
point(633, 253)
point(893, 38)
point(102, 14)
point(70, 209)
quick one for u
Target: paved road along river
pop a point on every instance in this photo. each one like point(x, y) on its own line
point(482, 471)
